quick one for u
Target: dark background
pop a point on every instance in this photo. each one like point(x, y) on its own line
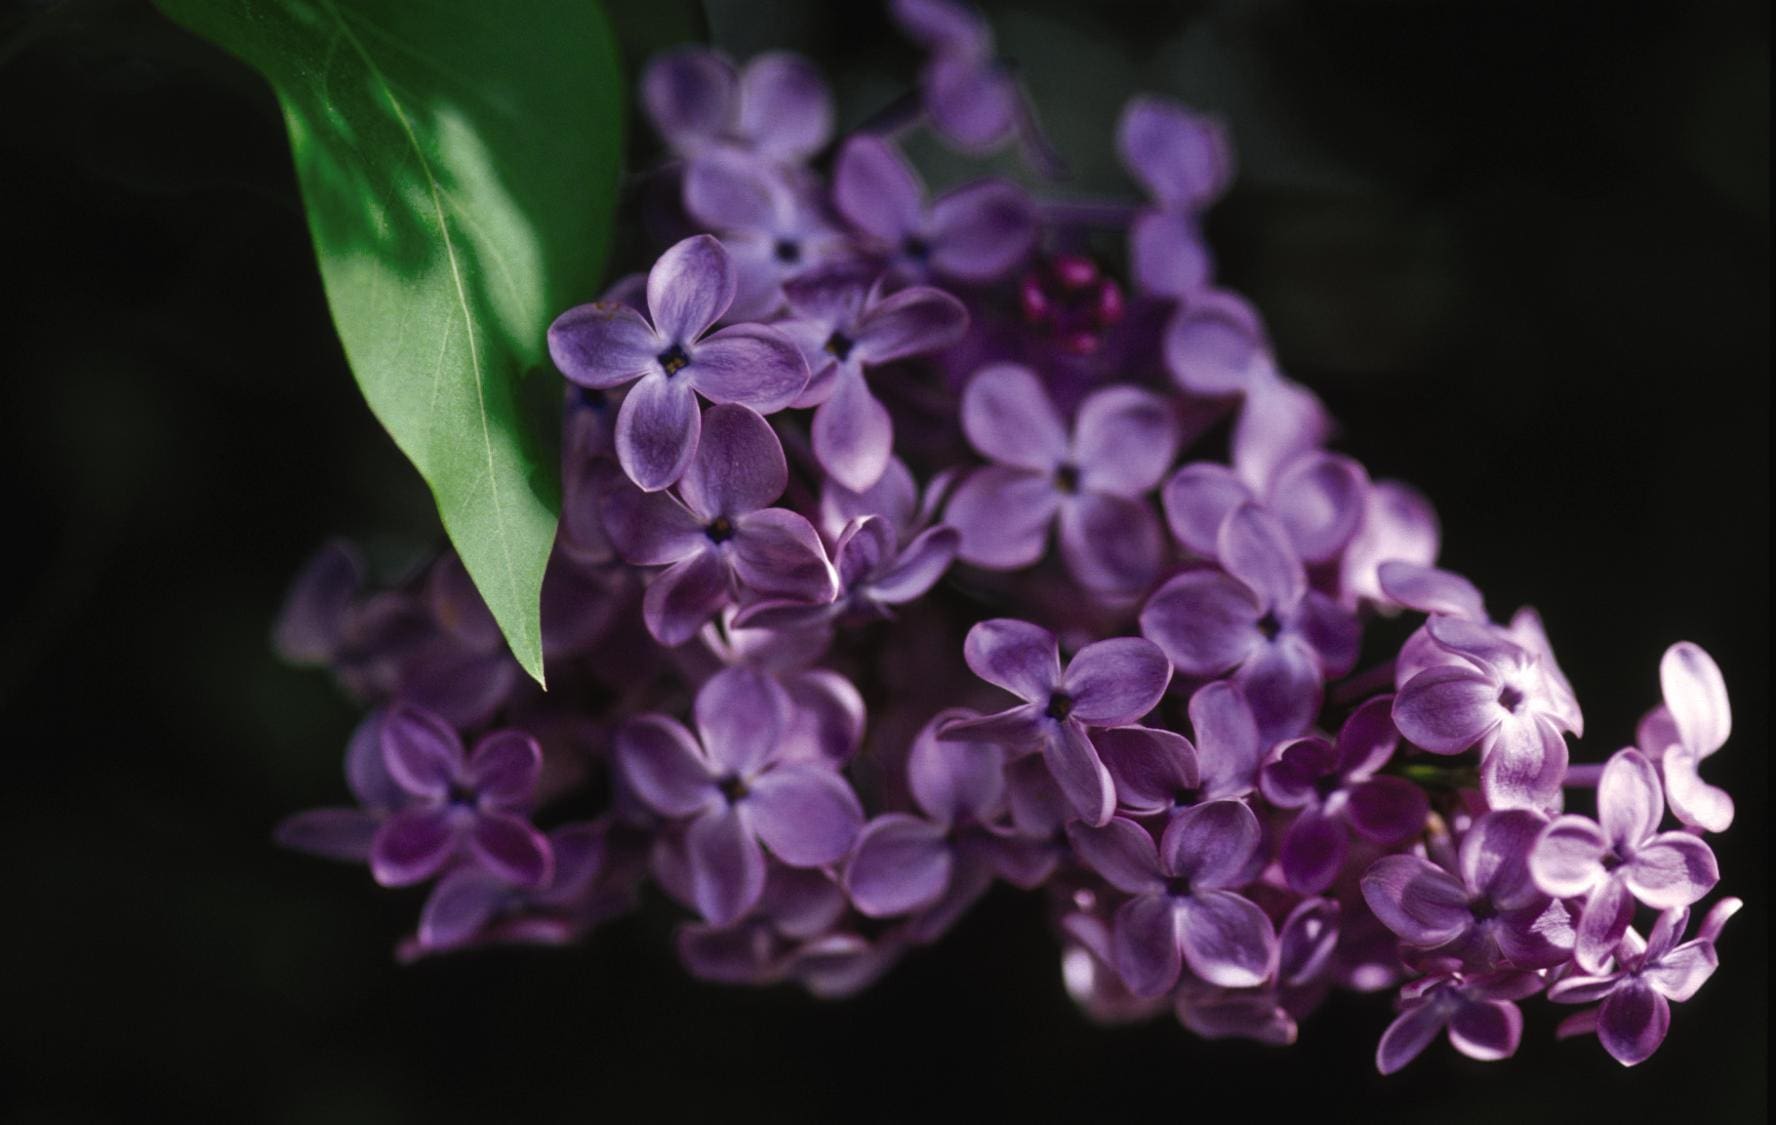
point(1521, 249)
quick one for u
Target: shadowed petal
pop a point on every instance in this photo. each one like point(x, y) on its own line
point(689, 288)
point(1281, 682)
point(1494, 856)
point(1429, 590)
point(1683, 970)
point(876, 191)
point(974, 106)
point(1145, 940)
point(1009, 419)
point(1313, 851)
point(727, 865)
point(1210, 844)
point(1226, 939)
point(784, 105)
point(1388, 810)
point(1003, 515)
point(1486, 1030)
point(1151, 767)
point(604, 345)
point(1018, 730)
point(342, 834)
point(1124, 439)
point(1168, 257)
point(1183, 159)
point(504, 767)
point(1410, 1033)
point(778, 553)
point(951, 780)
point(1073, 761)
point(412, 846)
point(1422, 904)
point(1198, 498)
point(914, 321)
point(901, 864)
point(510, 848)
point(664, 766)
point(918, 568)
point(806, 814)
point(688, 93)
point(739, 466)
point(421, 752)
point(685, 596)
point(1111, 543)
point(1254, 547)
point(740, 713)
point(1601, 924)
point(981, 230)
point(1214, 346)
point(1227, 746)
point(1446, 710)
point(1320, 497)
point(1122, 852)
point(657, 431)
point(651, 528)
point(459, 906)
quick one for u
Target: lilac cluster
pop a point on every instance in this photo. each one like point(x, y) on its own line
point(917, 544)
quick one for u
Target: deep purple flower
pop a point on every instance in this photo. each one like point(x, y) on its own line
point(844, 326)
point(1257, 620)
point(874, 574)
point(977, 233)
point(1106, 684)
point(604, 345)
point(778, 106)
point(1478, 1011)
point(1690, 725)
point(1335, 788)
point(1651, 976)
point(459, 805)
point(1094, 479)
point(1490, 916)
point(1184, 910)
point(1620, 857)
point(733, 788)
point(1185, 162)
point(717, 538)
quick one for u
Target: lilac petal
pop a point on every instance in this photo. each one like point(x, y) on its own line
point(1198, 499)
point(1227, 745)
point(1368, 737)
point(876, 191)
point(366, 773)
point(1150, 767)
point(1320, 497)
point(806, 814)
point(1226, 939)
point(1038, 807)
point(1487, 1030)
point(1630, 801)
point(1168, 257)
point(1214, 346)
point(1022, 658)
point(1494, 856)
point(1568, 857)
point(1331, 630)
point(342, 834)
point(1672, 869)
point(412, 846)
point(754, 365)
point(980, 231)
point(314, 611)
point(1410, 1033)
point(953, 780)
point(1307, 940)
point(1633, 1022)
point(914, 321)
point(784, 105)
point(1210, 844)
point(862, 548)
point(1116, 681)
point(1278, 421)
point(1481, 642)
point(1423, 905)
point(1388, 810)
point(1524, 764)
point(853, 436)
point(1254, 547)
point(684, 597)
point(728, 192)
point(689, 288)
point(657, 431)
point(778, 553)
point(1429, 590)
point(1694, 801)
point(747, 953)
point(1696, 695)
point(1446, 710)
point(510, 848)
point(901, 864)
point(801, 903)
point(1677, 975)
point(1183, 159)
point(1074, 762)
point(1020, 729)
point(895, 498)
point(604, 345)
point(942, 26)
point(1577, 1024)
point(1009, 419)
point(973, 105)
point(1258, 1018)
point(503, 769)
point(651, 528)
point(1124, 439)
point(1003, 515)
point(688, 92)
point(421, 752)
point(1717, 918)
point(1291, 776)
point(740, 713)
point(1146, 942)
point(1601, 924)
point(1111, 544)
point(1583, 989)
point(727, 866)
point(1281, 682)
point(919, 567)
point(739, 466)
point(827, 717)
point(1205, 621)
point(1313, 851)
point(461, 904)
point(1122, 852)
point(1399, 524)
point(664, 766)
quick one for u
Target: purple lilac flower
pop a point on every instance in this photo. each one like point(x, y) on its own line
point(1256, 620)
point(970, 96)
point(717, 538)
point(1335, 788)
point(845, 325)
point(1621, 857)
point(347, 833)
point(1185, 162)
point(778, 106)
point(1490, 914)
point(1399, 526)
point(1651, 975)
point(1320, 498)
point(1690, 725)
point(770, 220)
point(875, 576)
point(1479, 1012)
point(977, 233)
point(1215, 347)
point(606, 345)
point(796, 905)
point(1184, 910)
point(459, 806)
point(733, 789)
point(1107, 684)
point(1267, 1014)
point(1093, 480)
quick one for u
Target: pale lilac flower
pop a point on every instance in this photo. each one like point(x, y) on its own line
point(604, 345)
point(1107, 684)
point(778, 106)
point(845, 325)
point(1185, 162)
point(1479, 1012)
point(1690, 725)
point(1620, 857)
point(1490, 916)
point(1337, 792)
point(1184, 910)
point(459, 805)
point(1430, 590)
point(1256, 620)
point(1094, 480)
point(1320, 498)
point(1399, 525)
point(1215, 347)
point(1652, 975)
point(874, 574)
point(717, 538)
point(977, 233)
point(733, 788)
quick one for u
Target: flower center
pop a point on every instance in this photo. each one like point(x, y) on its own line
point(1067, 479)
point(787, 252)
point(720, 529)
point(673, 360)
point(839, 346)
point(1510, 698)
point(1178, 886)
point(461, 796)
point(733, 787)
point(1483, 910)
point(1270, 626)
point(1060, 705)
point(1184, 798)
point(916, 248)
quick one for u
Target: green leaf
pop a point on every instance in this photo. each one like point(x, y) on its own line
point(458, 162)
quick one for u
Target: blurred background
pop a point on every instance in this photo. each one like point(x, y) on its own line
point(1522, 250)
